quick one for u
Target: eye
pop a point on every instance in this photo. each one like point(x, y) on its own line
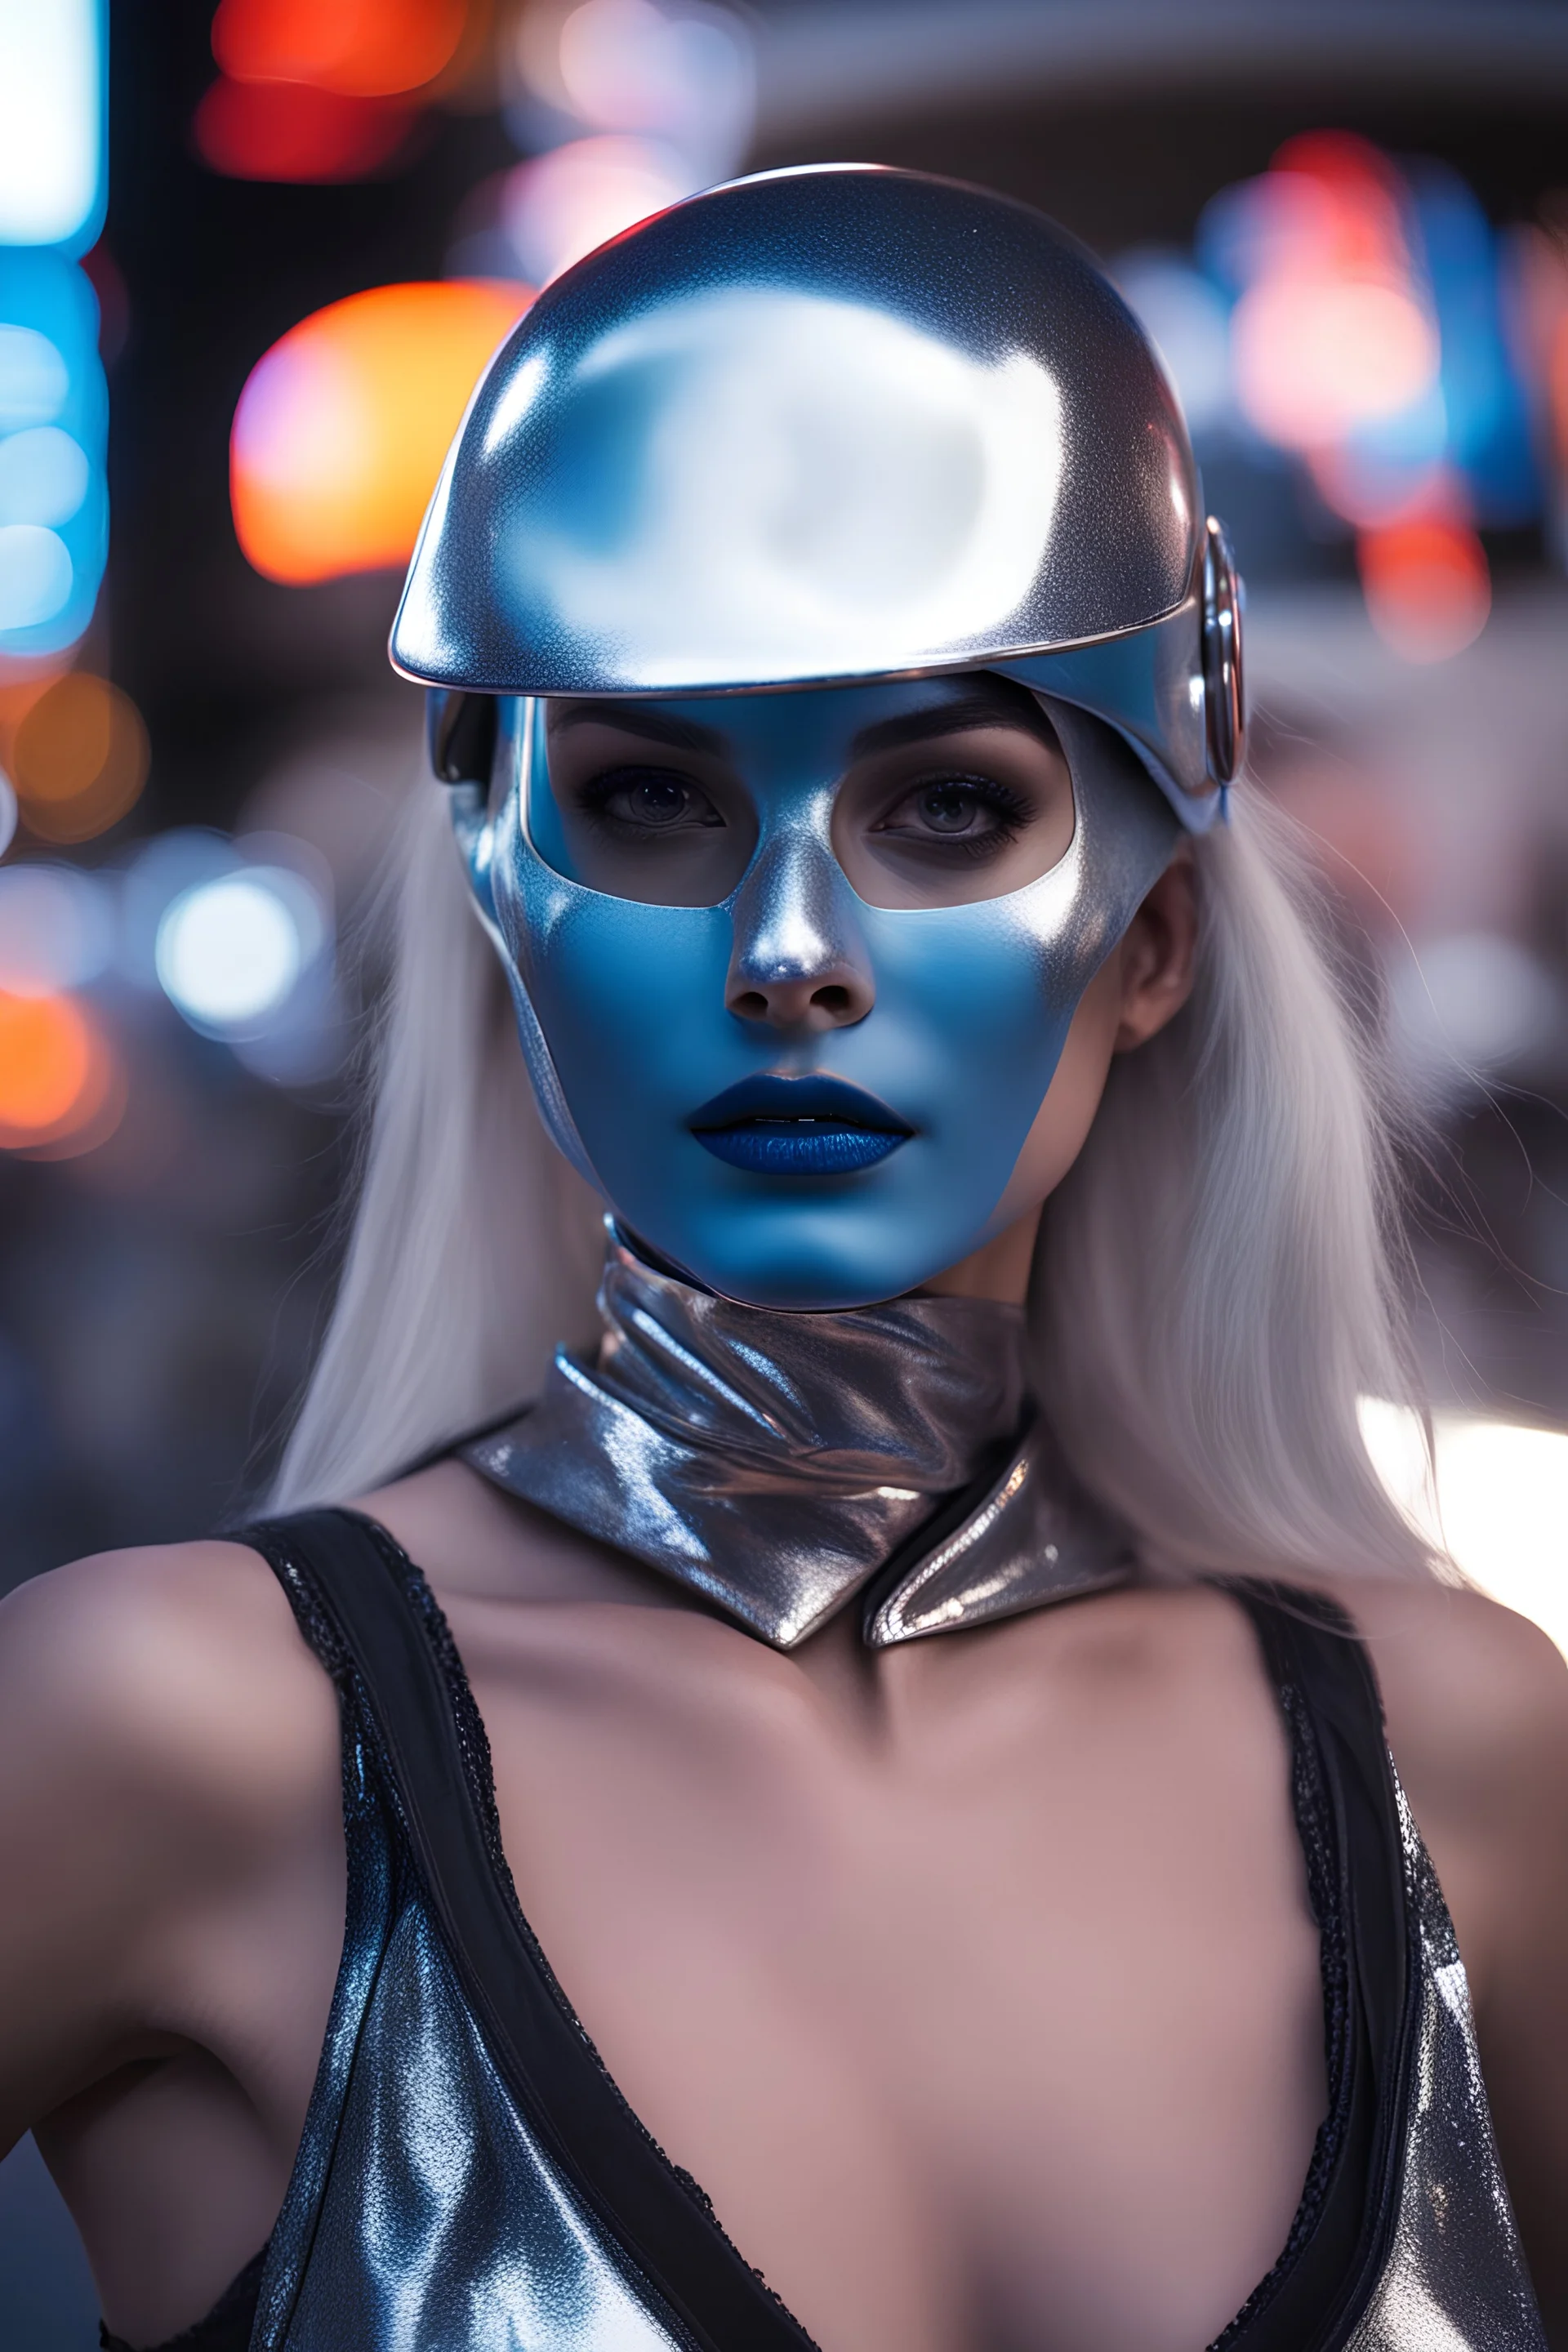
point(976, 815)
point(648, 801)
point(951, 807)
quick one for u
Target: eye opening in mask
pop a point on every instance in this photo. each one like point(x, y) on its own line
point(966, 799)
point(636, 802)
point(963, 794)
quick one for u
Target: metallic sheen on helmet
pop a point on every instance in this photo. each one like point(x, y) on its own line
point(829, 424)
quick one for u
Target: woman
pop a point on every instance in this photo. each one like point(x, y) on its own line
point(919, 1665)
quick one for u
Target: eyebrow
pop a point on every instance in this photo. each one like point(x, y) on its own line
point(976, 710)
point(948, 719)
point(631, 717)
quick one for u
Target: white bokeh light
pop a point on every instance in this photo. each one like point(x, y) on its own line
point(1467, 1006)
point(1499, 1503)
point(37, 576)
point(684, 72)
point(1503, 1491)
point(230, 950)
point(52, 119)
point(566, 203)
point(34, 381)
point(44, 476)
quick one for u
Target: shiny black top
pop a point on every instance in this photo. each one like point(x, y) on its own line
point(470, 2178)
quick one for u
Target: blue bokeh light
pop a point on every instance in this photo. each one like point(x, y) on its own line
point(53, 421)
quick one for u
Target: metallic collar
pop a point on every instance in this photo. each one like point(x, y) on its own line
point(780, 1465)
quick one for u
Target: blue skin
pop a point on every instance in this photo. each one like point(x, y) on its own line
point(957, 1014)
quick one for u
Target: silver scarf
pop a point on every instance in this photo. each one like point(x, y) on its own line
point(780, 1465)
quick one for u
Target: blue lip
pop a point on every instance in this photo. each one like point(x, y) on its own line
point(809, 1125)
point(798, 1147)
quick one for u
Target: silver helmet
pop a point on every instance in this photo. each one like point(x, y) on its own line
point(832, 424)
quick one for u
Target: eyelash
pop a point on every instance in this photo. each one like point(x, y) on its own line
point(1014, 811)
point(593, 794)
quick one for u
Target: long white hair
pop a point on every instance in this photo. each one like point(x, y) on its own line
point(1216, 1284)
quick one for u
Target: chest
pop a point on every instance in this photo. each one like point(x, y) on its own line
point(982, 1999)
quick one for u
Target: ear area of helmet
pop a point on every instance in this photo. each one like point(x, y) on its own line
point(461, 731)
point(1225, 693)
point(469, 738)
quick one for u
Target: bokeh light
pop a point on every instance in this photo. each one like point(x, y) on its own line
point(36, 575)
point(666, 91)
point(1467, 1007)
point(361, 49)
point(1495, 1495)
point(54, 504)
point(563, 204)
point(342, 429)
point(56, 929)
point(1370, 340)
point(1503, 1493)
point(230, 950)
point(51, 121)
point(321, 90)
point(155, 874)
point(682, 72)
point(34, 378)
point(1332, 329)
point(1315, 357)
point(43, 475)
point(62, 1088)
point(78, 757)
point(1428, 586)
point(288, 131)
point(45, 1056)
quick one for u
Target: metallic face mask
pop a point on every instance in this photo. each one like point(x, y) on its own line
point(688, 1118)
point(817, 430)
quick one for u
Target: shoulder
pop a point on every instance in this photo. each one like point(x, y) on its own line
point(1475, 1696)
point(1475, 1701)
point(169, 1680)
point(169, 1799)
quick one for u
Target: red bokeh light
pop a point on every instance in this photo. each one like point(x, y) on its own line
point(357, 48)
point(287, 131)
point(1428, 588)
point(1333, 331)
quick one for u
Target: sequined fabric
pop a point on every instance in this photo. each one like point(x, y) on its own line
point(776, 1463)
point(423, 2214)
point(1452, 2278)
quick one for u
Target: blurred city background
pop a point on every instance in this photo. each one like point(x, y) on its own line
point(251, 262)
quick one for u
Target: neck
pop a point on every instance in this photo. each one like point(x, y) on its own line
point(999, 1269)
point(783, 1465)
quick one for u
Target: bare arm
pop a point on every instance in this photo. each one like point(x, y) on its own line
point(171, 1850)
point(1477, 1714)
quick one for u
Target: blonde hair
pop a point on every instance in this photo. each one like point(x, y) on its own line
point(1214, 1286)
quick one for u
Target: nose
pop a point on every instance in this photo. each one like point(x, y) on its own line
point(800, 959)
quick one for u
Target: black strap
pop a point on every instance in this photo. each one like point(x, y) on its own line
point(392, 1632)
point(1347, 1812)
